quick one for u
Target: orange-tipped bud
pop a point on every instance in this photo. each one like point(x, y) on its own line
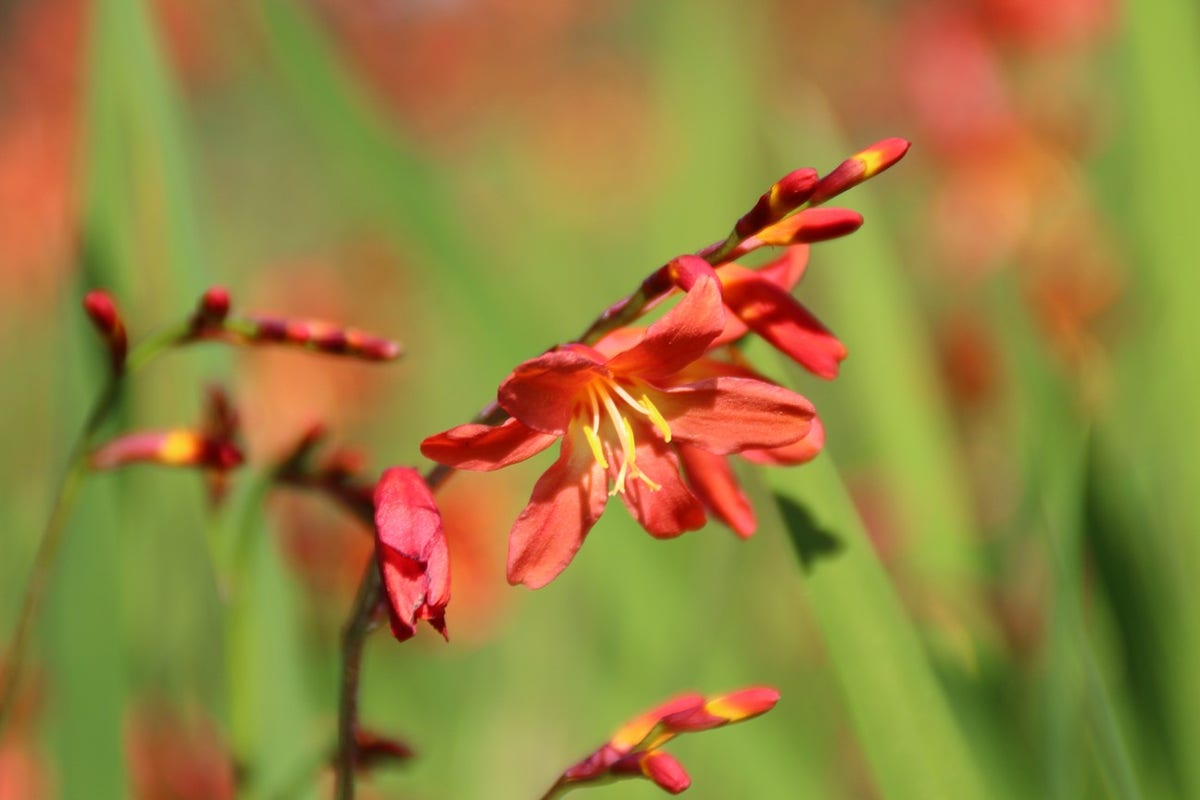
point(177, 448)
point(788, 194)
point(324, 337)
point(103, 313)
point(723, 710)
point(811, 225)
point(859, 167)
point(658, 766)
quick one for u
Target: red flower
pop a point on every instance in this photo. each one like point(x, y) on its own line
point(411, 551)
point(617, 416)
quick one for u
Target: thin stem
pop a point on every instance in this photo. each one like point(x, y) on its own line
point(47, 551)
point(557, 790)
point(64, 499)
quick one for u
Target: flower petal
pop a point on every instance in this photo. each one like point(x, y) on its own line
point(542, 391)
point(565, 504)
point(776, 316)
point(728, 415)
point(785, 271)
point(679, 338)
point(486, 447)
point(800, 451)
point(670, 510)
point(712, 480)
point(411, 551)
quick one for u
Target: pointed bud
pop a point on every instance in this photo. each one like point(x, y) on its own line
point(323, 337)
point(214, 305)
point(177, 448)
point(808, 227)
point(859, 167)
point(103, 312)
point(788, 194)
point(723, 710)
point(658, 766)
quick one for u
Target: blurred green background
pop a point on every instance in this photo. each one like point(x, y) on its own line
point(1015, 431)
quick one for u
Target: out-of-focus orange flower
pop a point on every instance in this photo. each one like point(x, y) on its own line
point(176, 756)
point(23, 772)
point(41, 49)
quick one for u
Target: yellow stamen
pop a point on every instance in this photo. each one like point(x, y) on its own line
point(656, 417)
point(597, 446)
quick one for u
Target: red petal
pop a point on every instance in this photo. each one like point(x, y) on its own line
point(713, 481)
point(800, 451)
point(411, 550)
point(728, 415)
point(543, 391)
point(566, 502)
point(679, 338)
point(787, 270)
point(486, 447)
point(777, 317)
point(670, 510)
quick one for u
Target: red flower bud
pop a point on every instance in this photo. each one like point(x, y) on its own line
point(859, 167)
point(103, 312)
point(176, 448)
point(788, 194)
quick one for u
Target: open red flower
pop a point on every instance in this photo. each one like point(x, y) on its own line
point(411, 551)
point(617, 416)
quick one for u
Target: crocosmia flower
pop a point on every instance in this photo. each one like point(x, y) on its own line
point(411, 551)
point(619, 416)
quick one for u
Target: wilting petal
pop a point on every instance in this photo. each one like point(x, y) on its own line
point(411, 551)
point(679, 338)
point(800, 451)
point(712, 479)
point(486, 447)
point(542, 391)
point(566, 502)
point(669, 510)
point(776, 316)
point(728, 415)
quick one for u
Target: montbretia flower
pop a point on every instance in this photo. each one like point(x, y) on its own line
point(635, 749)
point(619, 415)
point(410, 549)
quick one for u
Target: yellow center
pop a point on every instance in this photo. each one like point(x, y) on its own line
point(608, 401)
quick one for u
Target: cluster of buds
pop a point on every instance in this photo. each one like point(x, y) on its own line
point(211, 320)
point(338, 475)
point(636, 749)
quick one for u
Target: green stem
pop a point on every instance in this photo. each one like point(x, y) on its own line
point(64, 499)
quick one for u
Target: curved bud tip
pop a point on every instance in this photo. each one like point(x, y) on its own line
point(866, 163)
point(743, 704)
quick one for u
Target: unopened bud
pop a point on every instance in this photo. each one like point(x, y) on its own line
point(859, 167)
point(788, 194)
point(103, 313)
